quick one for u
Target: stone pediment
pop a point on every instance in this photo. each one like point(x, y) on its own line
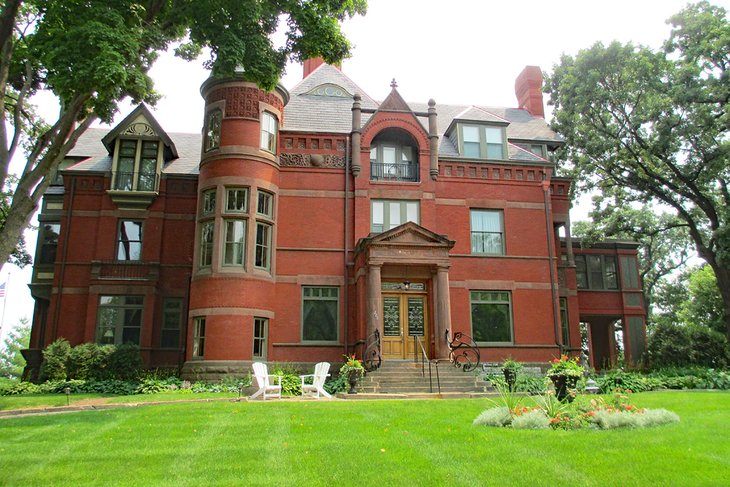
point(407, 234)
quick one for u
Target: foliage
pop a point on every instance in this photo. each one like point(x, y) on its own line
point(655, 124)
point(12, 362)
point(338, 384)
point(525, 383)
point(508, 398)
point(89, 361)
point(672, 344)
point(291, 384)
point(497, 416)
point(533, 419)
point(125, 362)
point(567, 366)
point(55, 360)
point(606, 419)
point(703, 306)
point(511, 364)
point(352, 365)
point(92, 54)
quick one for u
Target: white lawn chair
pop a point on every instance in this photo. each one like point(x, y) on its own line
point(265, 386)
point(317, 386)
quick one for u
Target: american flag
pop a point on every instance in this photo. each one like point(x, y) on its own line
point(2, 290)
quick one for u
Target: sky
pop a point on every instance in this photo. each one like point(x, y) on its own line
point(460, 51)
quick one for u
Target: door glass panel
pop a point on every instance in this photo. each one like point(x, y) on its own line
point(415, 316)
point(391, 316)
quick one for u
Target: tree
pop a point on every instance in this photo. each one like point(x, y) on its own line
point(93, 53)
point(664, 245)
point(12, 362)
point(655, 124)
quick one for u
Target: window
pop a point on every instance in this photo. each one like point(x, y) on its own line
point(387, 214)
point(119, 320)
point(484, 142)
point(263, 246)
point(136, 165)
point(49, 243)
point(234, 242)
point(213, 130)
point(208, 205)
point(320, 313)
point(486, 232)
point(172, 311)
point(260, 330)
point(564, 322)
point(268, 132)
point(236, 200)
point(129, 240)
point(596, 271)
point(198, 337)
point(265, 205)
point(491, 316)
point(206, 243)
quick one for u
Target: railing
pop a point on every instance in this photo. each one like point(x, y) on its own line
point(371, 358)
point(464, 352)
point(395, 171)
point(418, 346)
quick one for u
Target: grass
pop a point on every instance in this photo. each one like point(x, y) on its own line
point(367, 442)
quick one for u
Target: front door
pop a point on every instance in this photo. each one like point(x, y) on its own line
point(404, 317)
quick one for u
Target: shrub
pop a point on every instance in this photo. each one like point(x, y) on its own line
point(709, 348)
point(55, 360)
point(498, 416)
point(533, 420)
point(89, 361)
point(291, 384)
point(338, 384)
point(672, 344)
point(125, 362)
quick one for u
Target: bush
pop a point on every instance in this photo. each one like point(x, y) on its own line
point(532, 420)
point(624, 419)
point(55, 360)
point(672, 344)
point(291, 384)
point(89, 361)
point(498, 416)
point(125, 362)
point(338, 384)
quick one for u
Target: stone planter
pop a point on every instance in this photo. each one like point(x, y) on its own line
point(563, 384)
point(352, 377)
point(510, 376)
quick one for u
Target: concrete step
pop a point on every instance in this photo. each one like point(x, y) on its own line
point(405, 377)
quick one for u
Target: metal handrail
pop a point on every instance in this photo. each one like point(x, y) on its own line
point(463, 351)
point(424, 358)
point(371, 356)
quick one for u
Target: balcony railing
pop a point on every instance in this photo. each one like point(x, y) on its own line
point(396, 171)
point(125, 270)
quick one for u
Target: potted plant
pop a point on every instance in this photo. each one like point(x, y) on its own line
point(565, 372)
point(352, 370)
point(510, 369)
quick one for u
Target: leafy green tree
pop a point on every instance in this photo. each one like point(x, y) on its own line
point(12, 362)
point(655, 124)
point(93, 53)
point(703, 305)
point(664, 245)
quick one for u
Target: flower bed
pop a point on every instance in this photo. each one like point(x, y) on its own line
point(588, 412)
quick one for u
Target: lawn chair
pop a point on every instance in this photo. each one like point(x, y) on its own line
point(317, 386)
point(265, 386)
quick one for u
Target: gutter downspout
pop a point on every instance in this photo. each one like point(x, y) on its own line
point(346, 216)
point(62, 272)
point(551, 258)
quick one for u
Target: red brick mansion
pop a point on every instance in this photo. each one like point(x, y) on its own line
point(305, 224)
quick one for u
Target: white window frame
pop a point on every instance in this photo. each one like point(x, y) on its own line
point(382, 213)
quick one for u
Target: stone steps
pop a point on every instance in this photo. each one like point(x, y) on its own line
point(405, 377)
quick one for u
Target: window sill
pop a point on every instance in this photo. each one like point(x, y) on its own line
point(132, 199)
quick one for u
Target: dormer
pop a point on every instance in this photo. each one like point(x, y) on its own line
point(138, 147)
point(479, 134)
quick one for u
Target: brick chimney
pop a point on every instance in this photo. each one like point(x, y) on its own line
point(312, 64)
point(528, 89)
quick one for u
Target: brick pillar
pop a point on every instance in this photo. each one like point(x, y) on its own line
point(374, 318)
point(443, 311)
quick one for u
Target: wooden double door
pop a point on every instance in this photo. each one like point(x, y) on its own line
point(405, 316)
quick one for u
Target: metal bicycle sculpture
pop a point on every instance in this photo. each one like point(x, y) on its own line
point(463, 351)
point(371, 358)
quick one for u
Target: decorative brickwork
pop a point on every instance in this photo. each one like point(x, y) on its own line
point(243, 101)
point(307, 160)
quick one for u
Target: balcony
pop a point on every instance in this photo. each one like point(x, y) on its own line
point(125, 270)
point(394, 171)
point(133, 190)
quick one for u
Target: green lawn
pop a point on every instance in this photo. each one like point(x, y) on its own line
point(359, 442)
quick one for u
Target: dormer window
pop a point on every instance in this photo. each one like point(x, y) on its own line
point(136, 165)
point(482, 141)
